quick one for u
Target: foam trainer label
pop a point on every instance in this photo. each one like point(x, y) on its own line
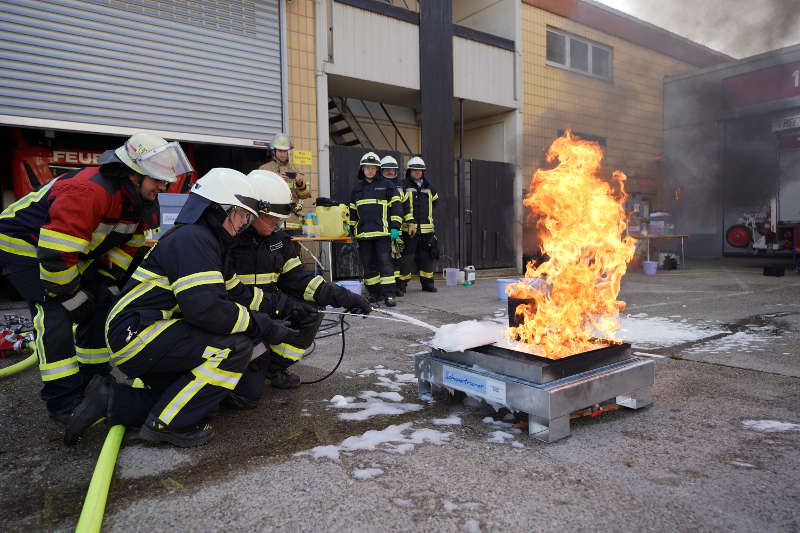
point(487, 388)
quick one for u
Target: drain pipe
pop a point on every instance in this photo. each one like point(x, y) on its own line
point(18, 366)
point(94, 506)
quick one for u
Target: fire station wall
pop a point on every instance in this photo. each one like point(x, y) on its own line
point(491, 16)
point(302, 112)
point(626, 111)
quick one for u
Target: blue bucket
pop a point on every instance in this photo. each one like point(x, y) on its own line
point(649, 267)
point(352, 285)
point(502, 283)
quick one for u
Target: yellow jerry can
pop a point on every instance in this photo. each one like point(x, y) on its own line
point(333, 221)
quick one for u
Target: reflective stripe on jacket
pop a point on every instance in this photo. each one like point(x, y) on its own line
point(375, 208)
point(419, 202)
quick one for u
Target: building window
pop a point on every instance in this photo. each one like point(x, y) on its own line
point(586, 137)
point(575, 53)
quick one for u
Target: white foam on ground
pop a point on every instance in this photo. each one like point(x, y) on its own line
point(367, 473)
point(141, 461)
point(739, 341)
point(498, 423)
point(499, 437)
point(468, 334)
point(392, 439)
point(770, 426)
point(372, 405)
point(449, 421)
point(655, 332)
point(742, 464)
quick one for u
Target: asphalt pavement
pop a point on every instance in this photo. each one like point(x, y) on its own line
point(719, 449)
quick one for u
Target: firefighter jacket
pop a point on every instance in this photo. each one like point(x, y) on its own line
point(397, 182)
point(419, 202)
point(270, 264)
point(85, 218)
point(183, 277)
point(298, 193)
point(375, 208)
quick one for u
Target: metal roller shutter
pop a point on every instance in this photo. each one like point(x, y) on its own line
point(203, 69)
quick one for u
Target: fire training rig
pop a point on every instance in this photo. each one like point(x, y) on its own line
point(548, 390)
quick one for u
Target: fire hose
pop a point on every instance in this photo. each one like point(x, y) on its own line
point(19, 366)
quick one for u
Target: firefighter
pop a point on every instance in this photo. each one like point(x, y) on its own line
point(421, 246)
point(389, 171)
point(67, 246)
point(375, 211)
point(280, 164)
point(178, 325)
point(265, 259)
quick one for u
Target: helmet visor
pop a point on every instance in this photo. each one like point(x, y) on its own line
point(251, 203)
point(278, 210)
point(165, 163)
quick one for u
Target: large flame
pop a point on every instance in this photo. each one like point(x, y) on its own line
point(580, 221)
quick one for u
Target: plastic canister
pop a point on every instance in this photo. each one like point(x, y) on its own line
point(469, 274)
point(451, 276)
point(649, 267)
point(332, 220)
point(460, 277)
point(352, 285)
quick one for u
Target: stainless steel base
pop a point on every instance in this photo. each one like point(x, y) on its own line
point(629, 382)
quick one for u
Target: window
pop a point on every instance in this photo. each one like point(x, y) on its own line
point(586, 137)
point(578, 54)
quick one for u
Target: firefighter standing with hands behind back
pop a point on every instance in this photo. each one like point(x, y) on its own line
point(280, 164)
point(389, 171)
point(421, 246)
point(67, 245)
point(375, 212)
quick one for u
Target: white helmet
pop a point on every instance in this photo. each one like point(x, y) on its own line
point(388, 162)
point(281, 142)
point(227, 187)
point(415, 163)
point(274, 196)
point(150, 155)
point(370, 159)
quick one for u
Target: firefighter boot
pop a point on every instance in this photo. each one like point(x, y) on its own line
point(280, 378)
point(400, 287)
point(154, 430)
point(389, 301)
point(93, 409)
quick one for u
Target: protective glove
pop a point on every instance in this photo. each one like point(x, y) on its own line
point(350, 301)
point(272, 331)
point(282, 306)
point(395, 233)
point(80, 306)
point(412, 228)
point(395, 249)
point(433, 244)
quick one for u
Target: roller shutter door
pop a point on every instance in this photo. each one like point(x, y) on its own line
point(204, 69)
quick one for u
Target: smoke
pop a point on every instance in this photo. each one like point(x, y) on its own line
point(739, 28)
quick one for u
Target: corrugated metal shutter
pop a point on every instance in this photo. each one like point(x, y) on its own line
point(207, 67)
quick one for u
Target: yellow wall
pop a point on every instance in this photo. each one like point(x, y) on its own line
point(626, 111)
point(302, 112)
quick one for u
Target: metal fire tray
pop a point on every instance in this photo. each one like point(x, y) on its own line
point(549, 390)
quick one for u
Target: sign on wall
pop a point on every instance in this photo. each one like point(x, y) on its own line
point(302, 157)
point(765, 85)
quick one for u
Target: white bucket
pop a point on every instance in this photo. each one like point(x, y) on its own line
point(352, 285)
point(502, 283)
point(649, 267)
point(451, 276)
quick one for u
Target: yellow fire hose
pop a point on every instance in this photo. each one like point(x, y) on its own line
point(94, 506)
point(18, 366)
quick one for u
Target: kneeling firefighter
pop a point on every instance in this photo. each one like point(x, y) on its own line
point(178, 328)
point(375, 211)
point(67, 247)
point(265, 259)
point(421, 246)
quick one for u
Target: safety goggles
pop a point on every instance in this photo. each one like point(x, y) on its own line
point(164, 163)
point(283, 210)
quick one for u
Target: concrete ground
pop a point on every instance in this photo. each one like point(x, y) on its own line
point(691, 461)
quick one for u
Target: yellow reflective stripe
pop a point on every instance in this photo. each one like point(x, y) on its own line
point(242, 320)
point(231, 283)
point(91, 356)
point(424, 274)
point(38, 328)
point(258, 279)
point(141, 340)
point(62, 277)
point(396, 218)
point(99, 235)
point(435, 197)
point(384, 218)
point(146, 276)
point(17, 246)
point(372, 281)
point(25, 201)
point(410, 197)
point(290, 264)
point(218, 377)
point(208, 277)
point(367, 201)
point(405, 277)
point(139, 290)
point(59, 369)
point(396, 274)
point(55, 240)
point(311, 288)
point(258, 297)
point(180, 400)
point(137, 241)
point(372, 234)
point(387, 280)
point(426, 228)
point(130, 227)
point(288, 351)
point(119, 258)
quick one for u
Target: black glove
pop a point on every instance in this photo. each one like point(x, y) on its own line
point(272, 331)
point(352, 302)
point(433, 243)
point(283, 306)
point(79, 306)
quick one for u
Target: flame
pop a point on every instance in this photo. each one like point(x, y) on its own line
point(580, 221)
